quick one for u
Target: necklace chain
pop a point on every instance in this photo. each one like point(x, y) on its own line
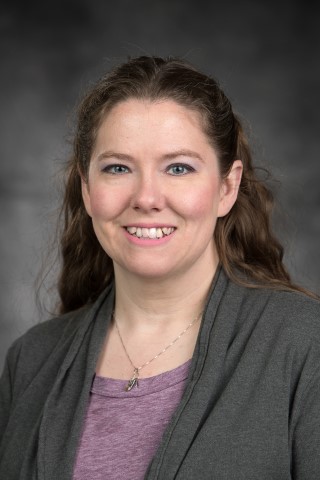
point(134, 379)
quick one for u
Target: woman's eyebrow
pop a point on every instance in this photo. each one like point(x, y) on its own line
point(167, 156)
point(182, 153)
point(111, 154)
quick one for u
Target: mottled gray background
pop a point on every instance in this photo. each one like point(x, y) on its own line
point(266, 55)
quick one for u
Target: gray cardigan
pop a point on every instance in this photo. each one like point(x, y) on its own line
point(250, 410)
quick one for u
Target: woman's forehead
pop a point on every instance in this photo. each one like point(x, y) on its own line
point(137, 122)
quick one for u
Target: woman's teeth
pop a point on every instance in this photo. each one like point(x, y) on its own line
point(150, 232)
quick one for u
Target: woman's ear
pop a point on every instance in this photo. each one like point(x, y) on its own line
point(86, 195)
point(229, 188)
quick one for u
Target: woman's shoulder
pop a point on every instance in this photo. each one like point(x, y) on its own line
point(295, 306)
point(294, 313)
point(40, 340)
point(299, 314)
point(278, 311)
point(57, 329)
point(48, 346)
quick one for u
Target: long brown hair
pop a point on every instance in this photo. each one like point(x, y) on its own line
point(247, 248)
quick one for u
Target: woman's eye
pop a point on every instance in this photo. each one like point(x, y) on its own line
point(179, 169)
point(116, 169)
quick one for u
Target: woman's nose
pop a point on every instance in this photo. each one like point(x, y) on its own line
point(148, 194)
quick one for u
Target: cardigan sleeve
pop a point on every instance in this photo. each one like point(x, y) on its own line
point(6, 387)
point(306, 439)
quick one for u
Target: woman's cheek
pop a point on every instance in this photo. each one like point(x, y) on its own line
point(105, 203)
point(201, 203)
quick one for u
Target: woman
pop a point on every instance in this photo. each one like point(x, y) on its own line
point(182, 349)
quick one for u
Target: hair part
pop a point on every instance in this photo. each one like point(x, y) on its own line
point(248, 251)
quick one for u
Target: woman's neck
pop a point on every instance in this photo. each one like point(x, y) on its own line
point(149, 315)
point(146, 303)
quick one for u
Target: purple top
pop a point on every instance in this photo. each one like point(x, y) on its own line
point(122, 430)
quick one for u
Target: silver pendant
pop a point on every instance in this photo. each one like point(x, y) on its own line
point(133, 380)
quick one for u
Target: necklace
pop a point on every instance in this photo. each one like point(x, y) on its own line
point(133, 381)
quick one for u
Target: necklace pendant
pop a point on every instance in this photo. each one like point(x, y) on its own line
point(133, 380)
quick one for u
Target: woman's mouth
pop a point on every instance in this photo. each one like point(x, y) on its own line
point(154, 232)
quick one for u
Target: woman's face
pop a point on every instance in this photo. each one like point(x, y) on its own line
point(154, 191)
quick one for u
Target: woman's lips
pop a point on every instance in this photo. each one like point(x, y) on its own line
point(150, 233)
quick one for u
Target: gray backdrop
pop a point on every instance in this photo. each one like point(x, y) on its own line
point(266, 57)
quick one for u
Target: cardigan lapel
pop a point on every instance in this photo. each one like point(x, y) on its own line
point(65, 408)
point(203, 385)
